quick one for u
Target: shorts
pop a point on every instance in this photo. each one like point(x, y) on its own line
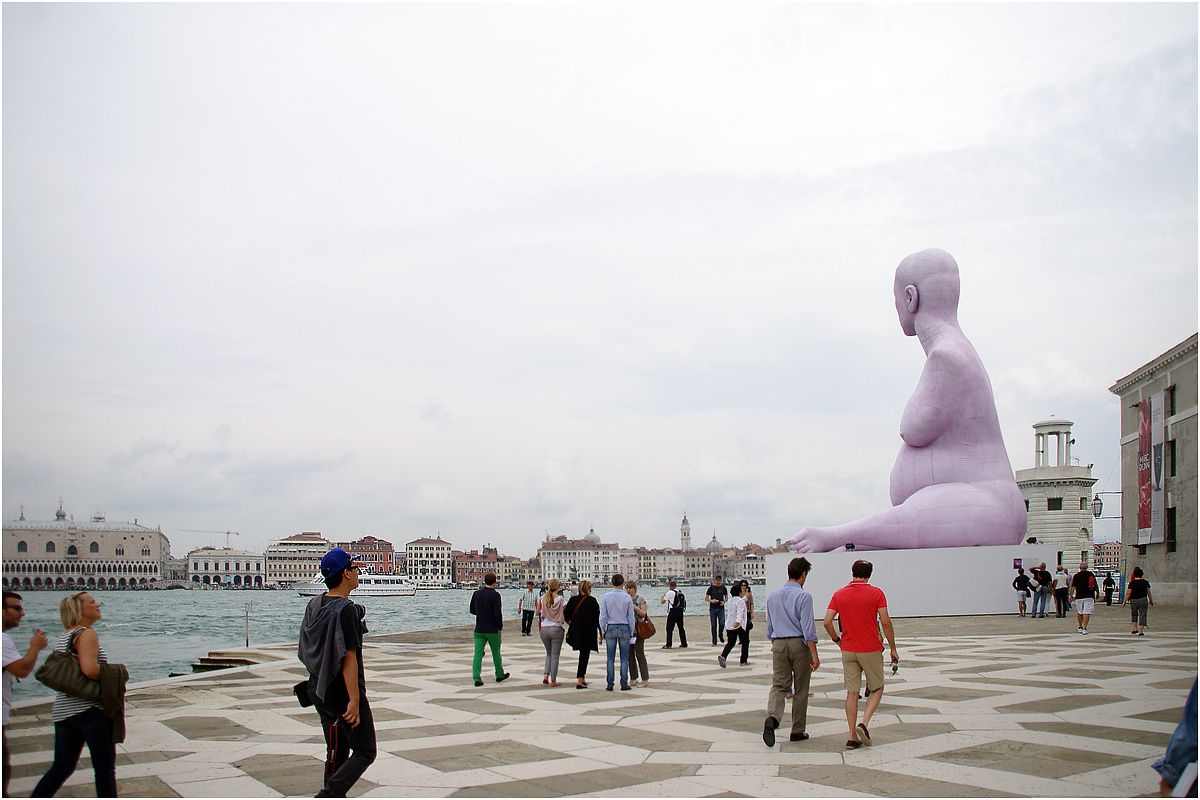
point(1085, 605)
point(1022, 595)
point(855, 665)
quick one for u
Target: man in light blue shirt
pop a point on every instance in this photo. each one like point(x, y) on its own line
point(793, 635)
point(617, 628)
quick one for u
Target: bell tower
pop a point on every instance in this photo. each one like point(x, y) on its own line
point(685, 534)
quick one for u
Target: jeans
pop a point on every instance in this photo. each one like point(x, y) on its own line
point(95, 729)
point(493, 641)
point(616, 636)
point(342, 770)
point(676, 618)
point(731, 639)
point(1039, 602)
point(526, 622)
point(716, 617)
point(552, 640)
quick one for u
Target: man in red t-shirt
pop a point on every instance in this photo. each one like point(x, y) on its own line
point(857, 605)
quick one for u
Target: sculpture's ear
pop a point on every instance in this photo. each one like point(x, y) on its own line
point(911, 300)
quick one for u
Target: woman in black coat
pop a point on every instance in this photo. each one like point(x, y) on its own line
point(583, 615)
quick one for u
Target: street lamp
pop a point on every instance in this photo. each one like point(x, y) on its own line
point(1098, 507)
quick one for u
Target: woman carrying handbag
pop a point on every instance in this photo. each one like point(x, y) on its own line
point(645, 629)
point(79, 721)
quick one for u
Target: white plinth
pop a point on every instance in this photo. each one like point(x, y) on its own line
point(945, 582)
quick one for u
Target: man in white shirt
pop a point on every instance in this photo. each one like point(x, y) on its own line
point(16, 665)
point(673, 597)
point(526, 605)
point(735, 627)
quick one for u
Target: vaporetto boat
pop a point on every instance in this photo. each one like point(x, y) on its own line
point(369, 585)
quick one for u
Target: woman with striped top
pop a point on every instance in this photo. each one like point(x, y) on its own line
point(78, 721)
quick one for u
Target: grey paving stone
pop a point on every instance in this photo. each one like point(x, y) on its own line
point(632, 736)
point(147, 786)
point(953, 694)
point(1170, 715)
point(641, 709)
point(1053, 705)
point(1028, 758)
point(1116, 734)
point(882, 783)
point(480, 756)
point(477, 706)
point(217, 729)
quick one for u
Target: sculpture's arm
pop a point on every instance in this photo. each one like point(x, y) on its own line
point(936, 402)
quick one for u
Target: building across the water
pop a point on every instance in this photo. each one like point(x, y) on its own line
point(378, 555)
point(64, 554)
point(296, 559)
point(429, 562)
point(575, 560)
point(228, 566)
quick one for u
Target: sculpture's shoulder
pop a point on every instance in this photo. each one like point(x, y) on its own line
point(954, 356)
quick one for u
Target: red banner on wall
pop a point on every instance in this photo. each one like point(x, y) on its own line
point(1144, 482)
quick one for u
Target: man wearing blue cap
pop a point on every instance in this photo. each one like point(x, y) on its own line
point(331, 649)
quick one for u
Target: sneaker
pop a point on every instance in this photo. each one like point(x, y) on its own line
point(798, 737)
point(721, 661)
point(644, 684)
point(502, 678)
point(853, 744)
point(608, 688)
point(479, 683)
point(744, 664)
point(683, 647)
point(626, 688)
point(665, 647)
point(769, 731)
point(863, 734)
point(1084, 631)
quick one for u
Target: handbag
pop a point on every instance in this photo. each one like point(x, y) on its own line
point(645, 629)
point(62, 673)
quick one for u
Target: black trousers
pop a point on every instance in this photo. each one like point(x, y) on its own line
point(526, 622)
point(675, 618)
point(732, 637)
point(1062, 601)
point(94, 729)
point(584, 654)
point(343, 770)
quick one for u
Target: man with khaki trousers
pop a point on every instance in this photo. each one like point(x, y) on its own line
point(793, 635)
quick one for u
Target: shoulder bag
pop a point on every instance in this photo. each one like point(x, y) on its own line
point(62, 673)
point(645, 628)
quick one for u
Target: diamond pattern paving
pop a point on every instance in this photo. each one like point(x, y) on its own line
point(955, 721)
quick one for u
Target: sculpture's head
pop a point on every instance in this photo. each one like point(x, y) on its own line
point(926, 283)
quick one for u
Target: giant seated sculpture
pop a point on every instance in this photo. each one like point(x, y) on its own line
point(952, 485)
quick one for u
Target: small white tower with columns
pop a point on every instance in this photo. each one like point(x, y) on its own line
point(1058, 494)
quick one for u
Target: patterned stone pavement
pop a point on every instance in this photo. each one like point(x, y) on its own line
point(1031, 709)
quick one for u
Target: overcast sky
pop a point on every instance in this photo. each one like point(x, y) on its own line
point(497, 270)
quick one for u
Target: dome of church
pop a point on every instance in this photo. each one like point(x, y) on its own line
point(592, 537)
point(714, 546)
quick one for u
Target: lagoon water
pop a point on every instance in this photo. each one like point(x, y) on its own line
point(155, 633)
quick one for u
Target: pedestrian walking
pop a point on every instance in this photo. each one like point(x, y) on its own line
point(716, 597)
point(331, 648)
point(637, 648)
point(489, 621)
point(1061, 601)
point(583, 615)
point(527, 604)
point(1109, 587)
point(676, 604)
point(16, 665)
point(1139, 599)
point(748, 598)
point(858, 605)
point(1021, 584)
point(617, 627)
point(793, 637)
point(1083, 595)
point(550, 606)
point(735, 627)
point(78, 721)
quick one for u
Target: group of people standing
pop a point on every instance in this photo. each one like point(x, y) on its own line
point(1080, 590)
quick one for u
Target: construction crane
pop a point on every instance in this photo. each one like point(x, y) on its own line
point(226, 534)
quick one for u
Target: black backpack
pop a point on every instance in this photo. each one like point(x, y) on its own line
point(680, 600)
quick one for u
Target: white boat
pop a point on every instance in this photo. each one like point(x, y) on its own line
point(369, 585)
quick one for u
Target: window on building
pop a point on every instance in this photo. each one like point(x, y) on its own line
point(1141, 549)
point(120, 550)
point(1171, 456)
point(1083, 504)
point(94, 547)
point(1054, 503)
point(1171, 400)
point(49, 547)
point(1169, 530)
point(22, 547)
point(72, 550)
